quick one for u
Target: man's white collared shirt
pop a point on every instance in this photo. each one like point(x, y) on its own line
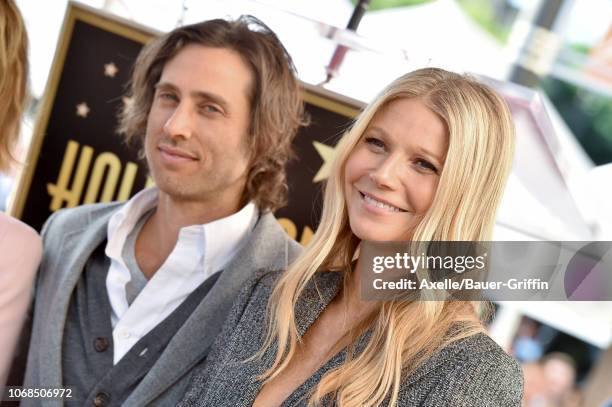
point(200, 251)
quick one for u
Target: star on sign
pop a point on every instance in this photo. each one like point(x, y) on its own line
point(82, 110)
point(327, 154)
point(110, 69)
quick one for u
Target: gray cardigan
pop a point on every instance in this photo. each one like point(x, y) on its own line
point(71, 235)
point(471, 372)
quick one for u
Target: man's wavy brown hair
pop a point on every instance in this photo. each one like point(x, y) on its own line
point(277, 109)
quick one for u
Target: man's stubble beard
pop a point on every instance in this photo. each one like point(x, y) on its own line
point(183, 188)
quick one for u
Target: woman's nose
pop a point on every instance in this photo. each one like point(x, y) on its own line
point(385, 174)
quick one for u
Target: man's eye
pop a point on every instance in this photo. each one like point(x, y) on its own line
point(375, 142)
point(210, 109)
point(426, 165)
point(168, 96)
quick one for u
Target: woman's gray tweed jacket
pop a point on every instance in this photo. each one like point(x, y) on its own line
point(471, 372)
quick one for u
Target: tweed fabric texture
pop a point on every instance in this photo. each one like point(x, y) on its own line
point(471, 372)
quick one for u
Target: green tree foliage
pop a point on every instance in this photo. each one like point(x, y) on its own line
point(383, 4)
point(483, 13)
point(588, 115)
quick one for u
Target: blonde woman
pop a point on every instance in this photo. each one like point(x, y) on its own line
point(426, 161)
point(20, 245)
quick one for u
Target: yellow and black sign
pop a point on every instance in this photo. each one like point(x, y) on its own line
point(76, 157)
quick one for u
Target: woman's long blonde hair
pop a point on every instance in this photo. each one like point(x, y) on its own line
point(405, 333)
point(13, 77)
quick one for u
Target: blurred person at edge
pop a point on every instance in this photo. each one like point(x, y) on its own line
point(20, 245)
point(560, 378)
point(535, 386)
point(427, 161)
point(131, 295)
point(550, 382)
point(526, 346)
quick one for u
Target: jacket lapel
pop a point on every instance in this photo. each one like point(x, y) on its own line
point(317, 295)
point(267, 249)
point(71, 256)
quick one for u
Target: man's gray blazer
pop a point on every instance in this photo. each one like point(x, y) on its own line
point(69, 238)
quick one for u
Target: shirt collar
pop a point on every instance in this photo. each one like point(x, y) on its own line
point(123, 221)
point(226, 236)
point(219, 240)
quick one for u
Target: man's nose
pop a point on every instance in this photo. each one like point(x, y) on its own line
point(387, 172)
point(180, 123)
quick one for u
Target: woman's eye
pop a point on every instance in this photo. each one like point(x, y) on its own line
point(426, 165)
point(375, 142)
